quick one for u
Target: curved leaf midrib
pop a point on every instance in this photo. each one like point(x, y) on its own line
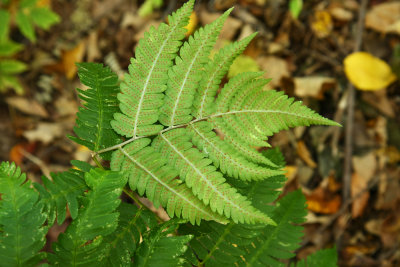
point(172, 121)
point(165, 185)
point(216, 148)
point(215, 247)
point(272, 236)
point(148, 79)
point(209, 83)
point(214, 189)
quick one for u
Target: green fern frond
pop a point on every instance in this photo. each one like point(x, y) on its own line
point(148, 173)
point(215, 70)
point(159, 249)
point(93, 126)
point(280, 241)
point(142, 89)
point(226, 157)
point(185, 75)
point(123, 242)
point(22, 233)
point(324, 257)
point(82, 243)
point(205, 181)
point(64, 188)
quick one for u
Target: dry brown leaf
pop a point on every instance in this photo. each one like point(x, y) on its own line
point(367, 72)
point(384, 18)
point(45, 132)
point(275, 68)
point(66, 107)
point(30, 107)
point(305, 155)
point(321, 203)
point(322, 24)
point(365, 166)
point(340, 13)
point(358, 185)
point(16, 155)
point(290, 172)
point(313, 86)
point(68, 59)
point(378, 99)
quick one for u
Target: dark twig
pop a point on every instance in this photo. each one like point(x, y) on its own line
point(350, 110)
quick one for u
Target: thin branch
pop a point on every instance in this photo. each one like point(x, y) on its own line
point(350, 110)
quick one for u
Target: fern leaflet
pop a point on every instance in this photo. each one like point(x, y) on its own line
point(324, 257)
point(142, 89)
point(158, 249)
point(132, 224)
point(65, 188)
point(93, 126)
point(82, 243)
point(22, 233)
point(148, 173)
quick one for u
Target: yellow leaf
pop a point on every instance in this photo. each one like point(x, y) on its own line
point(367, 72)
point(322, 24)
point(192, 24)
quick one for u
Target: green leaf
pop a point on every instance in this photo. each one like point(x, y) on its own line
point(10, 81)
point(22, 219)
point(11, 66)
point(242, 64)
point(64, 188)
point(148, 7)
point(148, 173)
point(184, 76)
point(280, 241)
point(82, 243)
point(27, 4)
point(44, 17)
point(295, 7)
point(25, 25)
point(93, 126)
point(4, 24)
point(324, 257)
point(142, 89)
point(132, 224)
point(218, 245)
point(159, 249)
point(9, 48)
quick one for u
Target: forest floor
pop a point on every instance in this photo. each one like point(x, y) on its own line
point(356, 210)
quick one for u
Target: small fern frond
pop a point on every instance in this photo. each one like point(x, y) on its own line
point(280, 241)
point(123, 242)
point(214, 71)
point(93, 128)
point(148, 173)
point(225, 157)
point(142, 89)
point(205, 181)
point(185, 75)
point(64, 188)
point(22, 233)
point(160, 249)
point(81, 243)
point(324, 257)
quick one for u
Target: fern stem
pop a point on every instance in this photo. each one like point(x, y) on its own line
point(202, 119)
point(140, 204)
point(96, 160)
